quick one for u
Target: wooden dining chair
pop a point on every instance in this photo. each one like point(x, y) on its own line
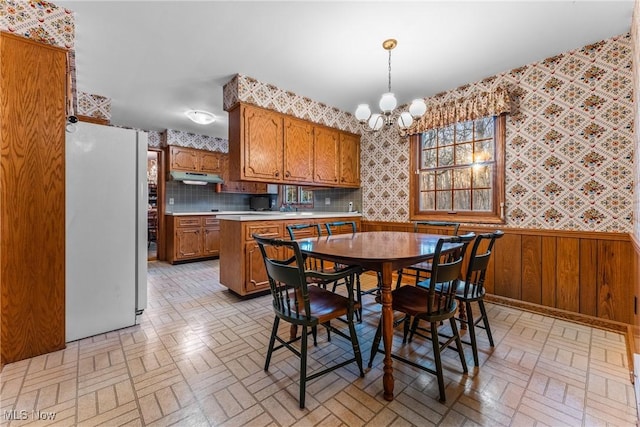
point(351, 225)
point(423, 269)
point(300, 231)
point(306, 306)
point(431, 306)
point(472, 290)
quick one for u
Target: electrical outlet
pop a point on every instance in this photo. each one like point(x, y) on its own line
point(171, 200)
point(327, 200)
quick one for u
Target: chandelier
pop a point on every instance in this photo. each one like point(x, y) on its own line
point(388, 103)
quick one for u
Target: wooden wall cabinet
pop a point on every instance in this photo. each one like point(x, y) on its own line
point(244, 271)
point(271, 147)
point(231, 186)
point(326, 157)
point(349, 160)
point(33, 80)
point(194, 160)
point(297, 151)
point(192, 237)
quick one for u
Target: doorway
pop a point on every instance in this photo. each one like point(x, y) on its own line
point(152, 209)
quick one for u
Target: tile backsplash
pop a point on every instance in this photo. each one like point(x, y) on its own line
point(203, 198)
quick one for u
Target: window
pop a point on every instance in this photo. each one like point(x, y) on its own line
point(459, 172)
point(297, 196)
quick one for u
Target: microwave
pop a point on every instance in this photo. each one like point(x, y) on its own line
point(260, 203)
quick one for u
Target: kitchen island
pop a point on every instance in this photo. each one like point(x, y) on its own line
point(241, 265)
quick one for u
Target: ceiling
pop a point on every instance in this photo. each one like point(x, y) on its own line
point(157, 59)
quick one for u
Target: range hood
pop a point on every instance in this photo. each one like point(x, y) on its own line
point(196, 178)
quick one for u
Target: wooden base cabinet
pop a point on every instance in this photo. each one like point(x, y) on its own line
point(241, 264)
point(191, 238)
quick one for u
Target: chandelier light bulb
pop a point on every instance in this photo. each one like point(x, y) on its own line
point(363, 112)
point(417, 108)
point(388, 102)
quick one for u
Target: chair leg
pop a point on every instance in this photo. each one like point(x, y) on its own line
point(456, 334)
point(398, 282)
point(376, 343)
point(303, 366)
point(407, 324)
point(414, 328)
point(354, 343)
point(359, 297)
point(314, 333)
point(272, 341)
point(472, 332)
point(327, 325)
point(485, 319)
point(438, 360)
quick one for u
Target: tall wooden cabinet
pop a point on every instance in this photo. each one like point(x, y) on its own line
point(32, 203)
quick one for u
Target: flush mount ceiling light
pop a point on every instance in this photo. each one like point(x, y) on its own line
point(201, 117)
point(388, 103)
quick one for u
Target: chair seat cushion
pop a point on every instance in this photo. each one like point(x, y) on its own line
point(413, 301)
point(326, 305)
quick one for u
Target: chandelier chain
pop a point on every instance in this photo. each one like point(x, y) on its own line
point(389, 70)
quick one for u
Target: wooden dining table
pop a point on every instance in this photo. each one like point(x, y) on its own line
point(381, 251)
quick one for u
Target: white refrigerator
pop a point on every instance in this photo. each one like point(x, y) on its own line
point(106, 229)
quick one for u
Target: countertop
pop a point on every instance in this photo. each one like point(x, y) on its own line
point(214, 213)
point(268, 215)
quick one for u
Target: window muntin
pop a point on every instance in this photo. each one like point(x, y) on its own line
point(460, 171)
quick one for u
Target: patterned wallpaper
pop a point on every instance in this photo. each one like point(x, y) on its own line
point(252, 91)
point(39, 20)
point(635, 41)
point(91, 105)
point(569, 150)
point(192, 140)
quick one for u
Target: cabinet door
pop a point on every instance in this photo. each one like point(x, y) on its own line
point(255, 273)
point(349, 160)
point(211, 244)
point(298, 151)
point(211, 162)
point(184, 159)
point(188, 243)
point(262, 144)
point(326, 156)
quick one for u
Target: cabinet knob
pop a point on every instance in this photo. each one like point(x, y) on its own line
point(287, 174)
point(276, 173)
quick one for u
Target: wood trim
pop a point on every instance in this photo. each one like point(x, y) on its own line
point(596, 322)
point(586, 273)
point(161, 243)
point(96, 120)
point(482, 228)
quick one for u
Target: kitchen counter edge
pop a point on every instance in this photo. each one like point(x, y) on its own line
point(277, 216)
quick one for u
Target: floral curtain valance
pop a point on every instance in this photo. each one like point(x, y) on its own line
point(476, 105)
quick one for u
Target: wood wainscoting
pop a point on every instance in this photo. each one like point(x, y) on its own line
point(589, 273)
point(635, 329)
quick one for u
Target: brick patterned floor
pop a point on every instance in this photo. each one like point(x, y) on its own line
point(197, 359)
